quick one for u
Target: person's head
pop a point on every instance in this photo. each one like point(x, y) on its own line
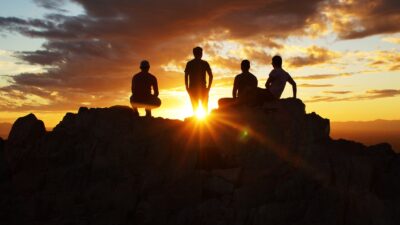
point(145, 65)
point(277, 61)
point(245, 65)
point(198, 52)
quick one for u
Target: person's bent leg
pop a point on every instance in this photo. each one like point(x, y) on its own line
point(135, 111)
point(226, 102)
point(148, 112)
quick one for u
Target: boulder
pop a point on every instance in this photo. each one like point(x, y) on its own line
point(26, 131)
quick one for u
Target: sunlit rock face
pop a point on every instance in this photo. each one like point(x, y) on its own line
point(269, 165)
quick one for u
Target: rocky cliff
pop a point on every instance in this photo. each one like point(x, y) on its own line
point(272, 165)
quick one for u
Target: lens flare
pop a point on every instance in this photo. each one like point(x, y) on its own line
point(200, 113)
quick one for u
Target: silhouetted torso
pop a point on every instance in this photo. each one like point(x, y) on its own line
point(279, 78)
point(197, 69)
point(141, 85)
point(244, 82)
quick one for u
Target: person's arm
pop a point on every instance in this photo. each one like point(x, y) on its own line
point(235, 88)
point(268, 83)
point(271, 78)
point(210, 77)
point(187, 80)
point(187, 77)
point(155, 87)
point(294, 86)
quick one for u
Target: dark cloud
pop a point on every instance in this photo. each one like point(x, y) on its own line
point(358, 19)
point(41, 57)
point(51, 4)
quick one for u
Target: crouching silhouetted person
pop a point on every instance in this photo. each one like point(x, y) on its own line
point(142, 83)
point(244, 88)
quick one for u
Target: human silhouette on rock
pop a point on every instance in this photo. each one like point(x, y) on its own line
point(142, 84)
point(244, 88)
point(277, 81)
point(195, 80)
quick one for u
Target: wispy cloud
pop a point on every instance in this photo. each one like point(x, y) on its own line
point(315, 85)
point(368, 95)
point(338, 92)
point(322, 76)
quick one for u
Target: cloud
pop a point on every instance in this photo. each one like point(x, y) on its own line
point(368, 95)
point(322, 76)
point(315, 85)
point(383, 93)
point(338, 92)
point(358, 19)
point(315, 55)
point(51, 4)
point(384, 60)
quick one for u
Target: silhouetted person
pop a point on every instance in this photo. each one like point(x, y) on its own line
point(195, 80)
point(142, 83)
point(277, 81)
point(244, 88)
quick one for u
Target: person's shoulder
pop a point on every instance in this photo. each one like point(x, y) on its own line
point(239, 76)
point(137, 75)
point(273, 72)
point(152, 76)
point(204, 62)
point(190, 62)
point(285, 72)
point(252, 75)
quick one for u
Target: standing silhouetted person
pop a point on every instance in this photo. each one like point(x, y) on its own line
point(195, 80)
point(142, 83)
point(277, 81)
point(244, 88)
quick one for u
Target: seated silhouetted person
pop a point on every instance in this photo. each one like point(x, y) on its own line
point(244, 88)
point(142, 83)
point(276, 82)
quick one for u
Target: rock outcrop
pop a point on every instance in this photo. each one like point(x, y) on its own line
point(272, 165)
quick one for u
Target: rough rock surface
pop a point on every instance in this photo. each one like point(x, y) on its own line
point(273, 165)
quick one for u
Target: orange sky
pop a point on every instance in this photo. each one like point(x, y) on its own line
point(56, 56)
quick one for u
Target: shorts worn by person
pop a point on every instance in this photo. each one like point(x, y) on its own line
point(195, 80)
point(142, 85)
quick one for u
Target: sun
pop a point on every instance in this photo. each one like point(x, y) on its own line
point(200, 113)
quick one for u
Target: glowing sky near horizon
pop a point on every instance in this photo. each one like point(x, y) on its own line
point(58, 55)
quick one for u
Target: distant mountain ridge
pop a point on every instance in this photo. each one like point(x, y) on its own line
point(369, 132)
point(270, 165)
